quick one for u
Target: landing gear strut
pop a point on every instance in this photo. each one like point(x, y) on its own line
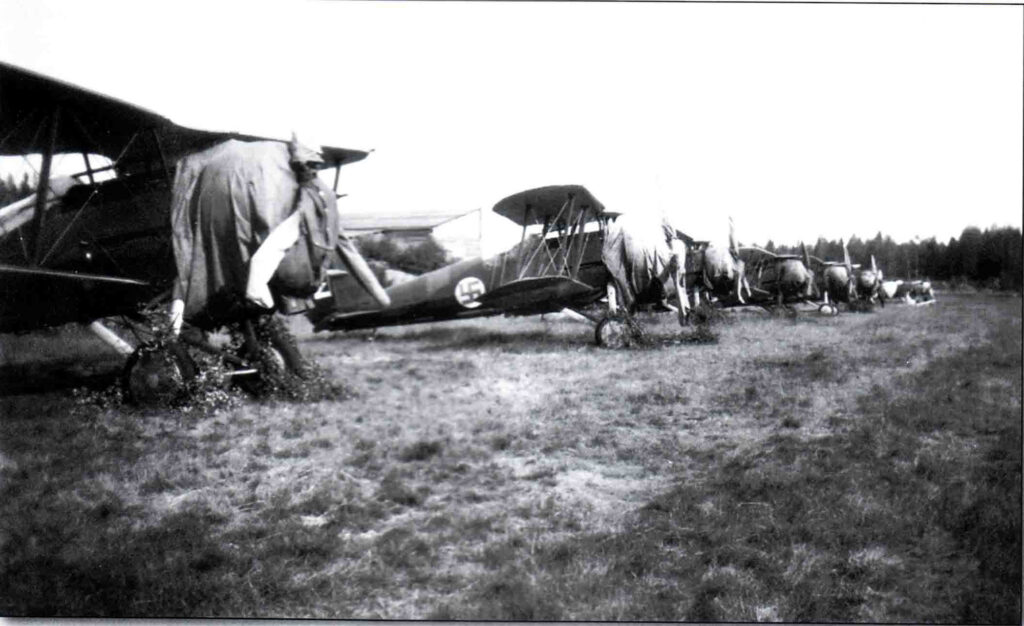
point(265, 359)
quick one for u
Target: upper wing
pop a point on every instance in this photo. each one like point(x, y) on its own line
point(94, 123)
point(534, 206)
point(762, 252)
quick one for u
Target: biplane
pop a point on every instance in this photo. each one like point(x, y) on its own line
point(716, 272)
point(557, 265)
point(869, 283)
point(81, 249)
point(848, 283)
point(837, 281)
point(778, 281)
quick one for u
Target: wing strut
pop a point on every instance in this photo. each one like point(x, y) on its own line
point(163, 157)
point(88, 168)
point(522, 239)
point(43, 185)
point(81, 209)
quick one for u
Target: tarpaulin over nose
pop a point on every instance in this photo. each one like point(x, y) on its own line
point(224, 204)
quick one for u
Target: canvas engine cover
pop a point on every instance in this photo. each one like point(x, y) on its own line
point(225, 202)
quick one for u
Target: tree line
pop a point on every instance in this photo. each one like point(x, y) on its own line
point(11, 190)
point(991, 258)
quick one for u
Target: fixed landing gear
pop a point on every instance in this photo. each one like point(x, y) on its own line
point(270, 350)
point(262, 358)
point(157, 374)
point(619, 331)
point(613, 333)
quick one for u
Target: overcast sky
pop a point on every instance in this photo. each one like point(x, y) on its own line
point(797, 120)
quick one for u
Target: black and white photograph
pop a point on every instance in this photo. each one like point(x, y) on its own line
point(596, 311)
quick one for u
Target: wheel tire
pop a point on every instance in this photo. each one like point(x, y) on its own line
point(279, 360)
point(283, 344)
point(271, 372)
point(612, 333)
point(157, 375)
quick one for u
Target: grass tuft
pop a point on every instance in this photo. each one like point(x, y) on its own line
point(394, 489)
point(421, 451)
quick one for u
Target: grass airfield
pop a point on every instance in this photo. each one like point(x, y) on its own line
point(859, 468)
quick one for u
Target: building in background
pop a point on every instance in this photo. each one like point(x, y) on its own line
point(459, 233)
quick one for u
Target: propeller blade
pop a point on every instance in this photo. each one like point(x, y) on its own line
point(850, 285)
point(813, 288)
point(874, 267)
point(733, 249)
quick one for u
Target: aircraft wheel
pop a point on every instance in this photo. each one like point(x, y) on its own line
point(277, 359)
point(285, 349)
point(612, 333)
point(156, 375)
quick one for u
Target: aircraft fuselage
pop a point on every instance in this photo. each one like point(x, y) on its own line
point(508, 283)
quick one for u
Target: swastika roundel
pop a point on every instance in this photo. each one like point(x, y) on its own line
point(468, 290)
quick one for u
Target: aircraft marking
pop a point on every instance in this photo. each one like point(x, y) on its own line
point(468, 290)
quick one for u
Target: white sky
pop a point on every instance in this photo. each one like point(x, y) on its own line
point(797, 120)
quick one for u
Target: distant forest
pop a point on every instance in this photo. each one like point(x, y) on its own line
point(10, 190)
point(991, 258)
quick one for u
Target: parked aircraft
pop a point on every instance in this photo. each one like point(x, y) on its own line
point(869, 284)
point(85, 249)
point(718, 270)
point(838, 281)
point(556, 265)
point(780, 280)
point(915, 292)
point(645, 253)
